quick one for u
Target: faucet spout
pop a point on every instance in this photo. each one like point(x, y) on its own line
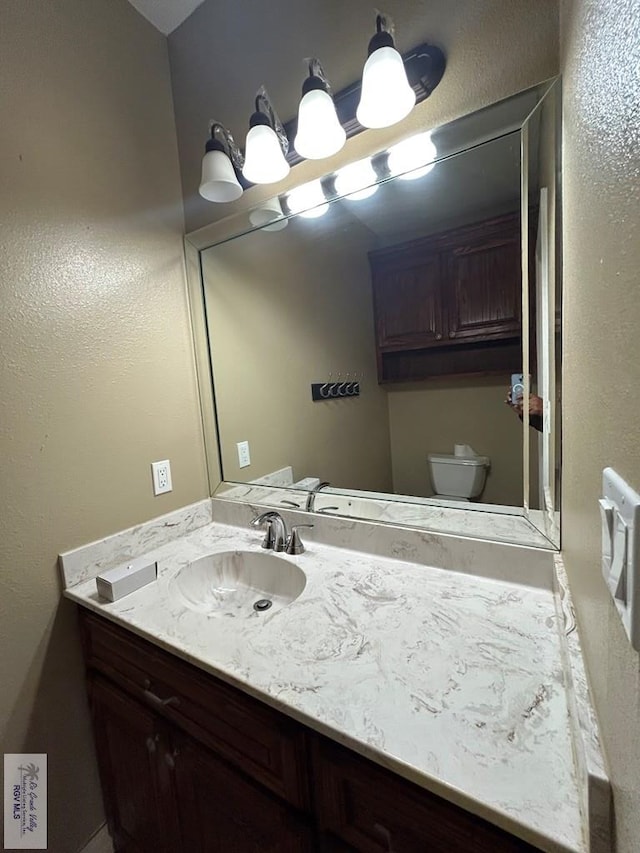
point(312, 495)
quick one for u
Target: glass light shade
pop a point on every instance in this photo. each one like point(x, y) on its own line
point(268, 216)
point(412, 158)
point(308, 200)
point(264, 162)
point(357, 181)
point(320, 134)
point(386, 95)
point(219, 182)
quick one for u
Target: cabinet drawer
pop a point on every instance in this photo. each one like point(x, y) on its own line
point(266, 745)
point(375, 811)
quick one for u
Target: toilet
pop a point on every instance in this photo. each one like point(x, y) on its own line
point(459, 476)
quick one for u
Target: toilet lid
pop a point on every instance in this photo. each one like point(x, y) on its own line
point(450, 459)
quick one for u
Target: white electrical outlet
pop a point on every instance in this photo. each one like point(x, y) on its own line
point(244, 459)
point(161, 472)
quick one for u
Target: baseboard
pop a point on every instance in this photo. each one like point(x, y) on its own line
point(100, 842)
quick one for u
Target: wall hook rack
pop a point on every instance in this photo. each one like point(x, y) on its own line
point(334, 390)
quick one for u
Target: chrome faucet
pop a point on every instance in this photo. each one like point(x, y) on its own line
point(312, 495)
point(277, 537)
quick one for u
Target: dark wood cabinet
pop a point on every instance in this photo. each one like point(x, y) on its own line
point(374, 811)
point(412, 280)
point(191, 765)
point(450, 302)
point(136, 783)
point(220, 811)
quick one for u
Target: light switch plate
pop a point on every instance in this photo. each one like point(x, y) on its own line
point(620, 513)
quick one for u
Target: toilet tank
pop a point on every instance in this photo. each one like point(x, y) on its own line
point(458, 476)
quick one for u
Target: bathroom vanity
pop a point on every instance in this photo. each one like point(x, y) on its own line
point(191, 764)
point(398, 702)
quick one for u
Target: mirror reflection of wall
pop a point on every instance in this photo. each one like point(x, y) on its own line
point(291, 307)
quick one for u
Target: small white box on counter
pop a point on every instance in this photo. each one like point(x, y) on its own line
point(122, 580)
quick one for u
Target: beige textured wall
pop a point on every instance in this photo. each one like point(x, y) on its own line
point(286, 309)
point(601, 382)
point(430, 417)
point(220, 57)
point(96, 374)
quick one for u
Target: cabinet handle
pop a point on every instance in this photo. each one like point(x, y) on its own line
point(452, 334)
point(384, 833)
point(151, 697)
point(439, 336)
point(151, 743)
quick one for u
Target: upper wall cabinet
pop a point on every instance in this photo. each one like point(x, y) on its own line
point(449, 303)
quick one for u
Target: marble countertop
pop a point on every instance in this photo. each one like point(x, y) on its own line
point(484, 521)
point(453, 681)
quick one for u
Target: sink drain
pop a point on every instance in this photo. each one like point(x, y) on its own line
point(262, 604)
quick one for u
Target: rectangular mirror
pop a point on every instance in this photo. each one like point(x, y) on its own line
point(366, 339)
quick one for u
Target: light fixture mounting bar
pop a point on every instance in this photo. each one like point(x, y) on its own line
point(425, 66)
point(219, 132)
point(264, 105)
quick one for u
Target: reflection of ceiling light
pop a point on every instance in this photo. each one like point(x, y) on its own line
point(308, 200)
point(386, 96)
point(357, 181)
point(268, 216)
point(412, 158)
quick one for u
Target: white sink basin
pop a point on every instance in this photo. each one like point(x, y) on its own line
point(238, 583)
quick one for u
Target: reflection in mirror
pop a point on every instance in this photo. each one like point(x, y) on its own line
point(371, 343)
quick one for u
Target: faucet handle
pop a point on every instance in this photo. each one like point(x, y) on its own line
point(294, 543)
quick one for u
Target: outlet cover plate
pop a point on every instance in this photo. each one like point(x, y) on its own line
point(244, 458)
point(161, 473)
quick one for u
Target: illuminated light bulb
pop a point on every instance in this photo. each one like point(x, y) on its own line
point(356, 181)
point(308, 200)
point(264, 161)
point(320, 134)
point(412, 158)
point(386, 96)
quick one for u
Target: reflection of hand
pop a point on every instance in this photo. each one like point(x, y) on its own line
point(536, 407)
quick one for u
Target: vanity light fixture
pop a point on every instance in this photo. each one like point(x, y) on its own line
point(320, 133)
point(356, 181)
point(413, 157)
point(308, 200)
point(267, 144)
point(391, 85)
point(222, 159)
point(386, 96)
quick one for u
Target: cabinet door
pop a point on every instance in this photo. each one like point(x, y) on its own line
point(408, 302)
point(484, 287)
point(221, 812)
point(373, 811)
point(137, 791)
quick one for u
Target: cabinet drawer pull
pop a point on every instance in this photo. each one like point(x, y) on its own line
point(439, 336)
point(151, 697)
point(384, 833)
point(452, 334)
point(151, 744)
